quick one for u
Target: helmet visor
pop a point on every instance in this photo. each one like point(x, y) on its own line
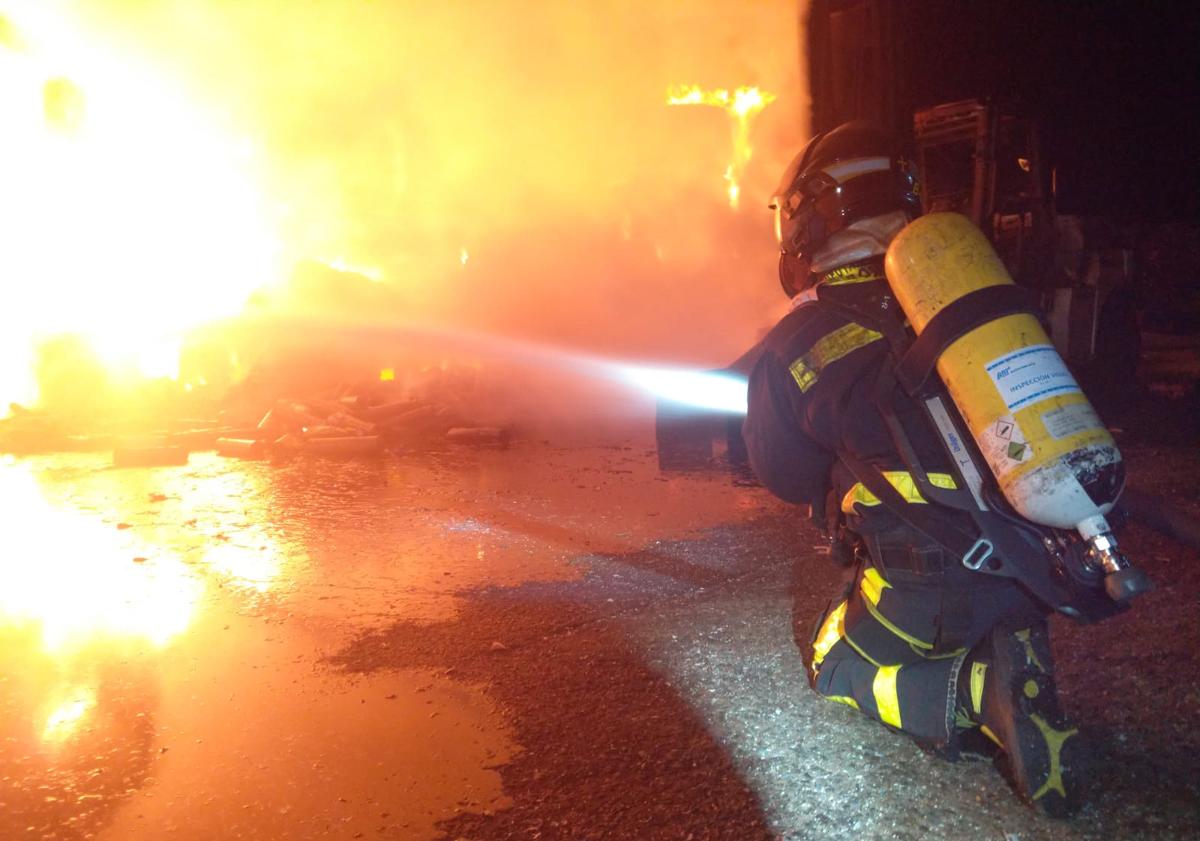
point(794, 198)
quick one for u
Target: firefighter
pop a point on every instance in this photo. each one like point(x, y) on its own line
point(914, 639)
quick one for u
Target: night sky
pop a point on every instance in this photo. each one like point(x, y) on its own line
point(1115, 87)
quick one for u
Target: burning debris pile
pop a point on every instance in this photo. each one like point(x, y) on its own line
point(428, 409)
point(355, 423)
point(301, 370)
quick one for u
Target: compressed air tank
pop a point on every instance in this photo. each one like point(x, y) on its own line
point(1055, 461)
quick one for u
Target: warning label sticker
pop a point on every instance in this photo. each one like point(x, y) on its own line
point(1004, 445)
point(1071, 420)
point(1029, 375)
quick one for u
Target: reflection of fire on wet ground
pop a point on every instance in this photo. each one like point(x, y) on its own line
point(88, 606)
point(78, 733)
point(71, 577)
point(137, 706)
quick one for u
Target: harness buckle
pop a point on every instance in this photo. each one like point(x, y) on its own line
point(978, 554)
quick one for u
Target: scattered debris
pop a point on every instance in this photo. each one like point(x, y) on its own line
point(358, 422)
point(240, 448)
point(428, 407)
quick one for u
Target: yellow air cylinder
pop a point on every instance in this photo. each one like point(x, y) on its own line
point(1055, 461)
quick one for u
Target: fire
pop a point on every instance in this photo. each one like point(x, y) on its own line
point(372, 273)
point(742, 106)
point(129, 215)
point(75, 579)
point(65, 718)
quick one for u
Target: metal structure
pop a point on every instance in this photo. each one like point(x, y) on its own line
point(983, 162)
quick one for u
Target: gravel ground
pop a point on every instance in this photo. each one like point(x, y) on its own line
point(661, 695)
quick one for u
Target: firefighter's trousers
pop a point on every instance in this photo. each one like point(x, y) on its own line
point(892, 643)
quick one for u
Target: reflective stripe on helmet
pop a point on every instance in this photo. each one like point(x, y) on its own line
point(843, 171)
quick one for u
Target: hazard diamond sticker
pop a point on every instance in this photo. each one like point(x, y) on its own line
point(1004, 445)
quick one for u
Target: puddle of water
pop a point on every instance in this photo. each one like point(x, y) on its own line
point(160, 667)
point(255, 740)
point(163, 631)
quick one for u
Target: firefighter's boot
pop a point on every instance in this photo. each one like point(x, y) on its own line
point(1007, 688)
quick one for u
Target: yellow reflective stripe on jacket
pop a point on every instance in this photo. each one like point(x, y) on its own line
point(873, 585)
point(886, 699)
point(829, 349)
point(904, 484)
point(830, 633)
point(843, 699)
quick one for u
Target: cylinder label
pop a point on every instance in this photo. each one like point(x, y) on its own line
point(1071, 420)
point(1031, 374)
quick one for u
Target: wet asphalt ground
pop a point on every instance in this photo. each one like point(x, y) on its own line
point(550, 641)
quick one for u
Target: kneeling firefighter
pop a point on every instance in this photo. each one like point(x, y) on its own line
point(912, 400)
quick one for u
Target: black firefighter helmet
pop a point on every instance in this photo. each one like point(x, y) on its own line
point(847, 174)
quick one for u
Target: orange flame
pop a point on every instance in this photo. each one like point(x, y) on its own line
point(108, 594)
point(65, 718)
point(130, 215)
point(742, 106)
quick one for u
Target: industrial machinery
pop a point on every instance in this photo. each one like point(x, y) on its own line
point(982, 161)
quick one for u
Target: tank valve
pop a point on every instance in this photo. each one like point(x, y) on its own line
point(1122, 580)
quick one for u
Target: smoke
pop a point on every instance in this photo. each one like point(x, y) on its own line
point(507, 167)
